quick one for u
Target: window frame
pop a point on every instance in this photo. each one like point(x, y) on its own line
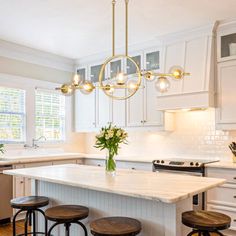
point(30, 85)
point(24, 116)
point(64, 135)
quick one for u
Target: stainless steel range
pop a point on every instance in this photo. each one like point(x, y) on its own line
point(185, 166)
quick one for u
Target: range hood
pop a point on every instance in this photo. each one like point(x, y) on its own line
point(195, 51)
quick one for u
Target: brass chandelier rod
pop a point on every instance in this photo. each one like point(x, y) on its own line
point(113, 27)
point(126, 27)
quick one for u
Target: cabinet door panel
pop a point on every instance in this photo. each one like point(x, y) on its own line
point(135, 109)
point(153, 117)
point(119, 110)
point(28, 187)
point(174, 56)
point(104, 109)
point(85, 111)
point(195, 63)
point(226, 92)
point(19, 187)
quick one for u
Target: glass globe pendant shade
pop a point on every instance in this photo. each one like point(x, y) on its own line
point(76, 80)
point(162, 84)
point(121, 78)
point(87, 87)
point(177, 72)
point(67, 89)
point(132, 86)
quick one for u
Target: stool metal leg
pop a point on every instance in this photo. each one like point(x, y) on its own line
point(14, 221)
point(83, 226)
point(51, 228)
point(26, 222)
point(45, 220)
point(34, 223)
point(67, 229)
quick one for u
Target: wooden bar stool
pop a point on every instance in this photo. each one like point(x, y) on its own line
point(67, 215)
point(30, 205)
point(205, 222)
point(117, 226)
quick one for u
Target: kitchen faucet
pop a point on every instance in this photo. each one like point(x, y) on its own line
point(34, 142)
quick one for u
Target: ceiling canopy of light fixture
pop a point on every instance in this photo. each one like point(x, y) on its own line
point(112, 86)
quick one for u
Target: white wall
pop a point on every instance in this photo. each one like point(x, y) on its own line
point(195, 136)
point(33, 71)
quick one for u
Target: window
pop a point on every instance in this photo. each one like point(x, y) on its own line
point(12, 115)
point(50, 115)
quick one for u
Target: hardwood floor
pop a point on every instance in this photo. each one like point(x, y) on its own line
point(6, 230)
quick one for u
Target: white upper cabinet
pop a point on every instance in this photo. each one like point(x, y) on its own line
point(135, 104)
point(226, 41)
point(118, 107)
point(85, 109)
point(226, 76)
point(103, 102)
point(226, 96)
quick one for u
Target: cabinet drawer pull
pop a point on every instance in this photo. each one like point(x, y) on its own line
point(234, 196)
point(99, 165)
point(234, 178)
point(234, 220)
point(133, 168)
point(21, 182)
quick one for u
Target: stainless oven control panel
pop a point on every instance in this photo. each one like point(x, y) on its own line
point(177, 163)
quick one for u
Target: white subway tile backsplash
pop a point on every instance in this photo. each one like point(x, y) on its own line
point(195, 136)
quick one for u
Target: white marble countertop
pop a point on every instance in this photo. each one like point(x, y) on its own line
point(164, 187)
point(44, 157)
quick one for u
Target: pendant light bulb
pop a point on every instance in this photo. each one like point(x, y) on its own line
point(76, 80)
point(132, 86)
point(162, 84)
point(121, 79)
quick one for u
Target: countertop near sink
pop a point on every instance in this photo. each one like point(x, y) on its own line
point(44, 157)
point(222, 165)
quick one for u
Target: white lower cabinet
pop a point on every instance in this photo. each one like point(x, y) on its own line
point(223, 198)
point(121, 164)
point(22, 186)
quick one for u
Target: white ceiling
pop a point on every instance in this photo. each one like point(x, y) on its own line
point(78, 28)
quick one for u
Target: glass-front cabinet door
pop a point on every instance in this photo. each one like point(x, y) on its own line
point(152, 60)
point(130, 66)
point(115, 68)
point(94, 73)
point(228, 45)
point(82, 73)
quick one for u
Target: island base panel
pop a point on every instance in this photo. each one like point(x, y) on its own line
point(157, 218)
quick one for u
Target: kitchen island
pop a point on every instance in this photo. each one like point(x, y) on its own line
point(156, 199)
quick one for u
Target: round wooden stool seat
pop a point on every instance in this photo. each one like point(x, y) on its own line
point(206, 220)
point(30, 202)
point(67, 213)
point(118, 226)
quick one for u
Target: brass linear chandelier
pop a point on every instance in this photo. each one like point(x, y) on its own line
point(122, 86)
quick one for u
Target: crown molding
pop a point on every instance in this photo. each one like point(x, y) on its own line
point(34, 56)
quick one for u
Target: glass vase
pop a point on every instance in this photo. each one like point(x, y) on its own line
point(110, 163)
